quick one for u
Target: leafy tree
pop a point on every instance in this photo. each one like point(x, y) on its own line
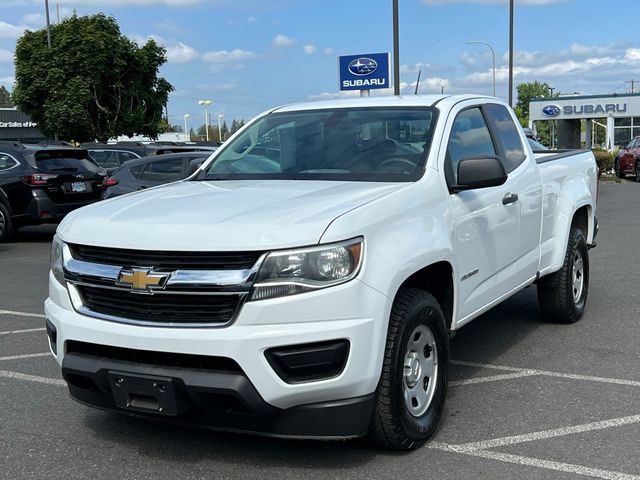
point(5, 98)
point(526, 92)
point(94, 83)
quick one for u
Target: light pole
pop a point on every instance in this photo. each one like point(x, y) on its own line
point(187, 136)
point(511, 53)
point(220, 116)
point(46, 8)
point(493, 56)
point(396, 50)
point(206, 104)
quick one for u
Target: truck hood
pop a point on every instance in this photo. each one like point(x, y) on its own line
point(219, 216)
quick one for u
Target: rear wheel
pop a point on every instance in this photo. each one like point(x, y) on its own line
point(6, 225)
point(562, 296)
point(638, 172)
point(412, 388)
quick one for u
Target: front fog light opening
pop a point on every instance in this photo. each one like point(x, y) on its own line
point(310, 361)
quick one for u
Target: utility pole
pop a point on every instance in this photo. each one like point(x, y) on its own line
point(633, 85)
point(58, 11)
point(511, 53)
point(552, 89)
point(396, 50)
point(46, 7)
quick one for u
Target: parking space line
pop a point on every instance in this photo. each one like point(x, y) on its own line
point(547, 373)
point(494, 378)
point(544, 434)
point(32, 378)
point(27, 355)
point(26, 330)
point(21, 314)
point(539, 463)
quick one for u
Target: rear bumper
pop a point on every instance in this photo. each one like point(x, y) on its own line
point(42, 210)
point(218, 400)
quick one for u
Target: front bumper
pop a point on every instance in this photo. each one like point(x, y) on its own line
point(337, 407)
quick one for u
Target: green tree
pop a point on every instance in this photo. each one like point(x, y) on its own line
point(5, 98)
point(94, 83)
point(526, 92)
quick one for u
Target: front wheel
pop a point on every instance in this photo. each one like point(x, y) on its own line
point(638, 172)
point(413, 385)
point(562, 295)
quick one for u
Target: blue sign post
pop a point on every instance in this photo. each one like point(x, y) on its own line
point(364, 72)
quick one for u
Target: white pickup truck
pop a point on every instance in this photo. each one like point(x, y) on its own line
point(306, 280)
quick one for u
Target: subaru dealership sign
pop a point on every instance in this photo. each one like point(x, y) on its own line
point(364, 72)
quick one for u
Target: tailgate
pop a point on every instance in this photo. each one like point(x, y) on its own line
point(69, 175)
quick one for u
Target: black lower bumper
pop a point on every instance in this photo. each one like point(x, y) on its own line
point(42, 210)
point(208, 399)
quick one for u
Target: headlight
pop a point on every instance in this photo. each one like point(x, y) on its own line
point(302, 270)
point(56, 259)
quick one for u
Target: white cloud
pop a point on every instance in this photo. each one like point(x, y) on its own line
point(283, 41)
point(6, 56)
point(225, 56)
point(11, 31)
point(181, 53)
point(228, 60)
point(310, 49)
point(328, 51)
point(632, 54)
point(7, 80)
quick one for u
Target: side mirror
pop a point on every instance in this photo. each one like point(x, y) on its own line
point(479, 172)
point(193, 166)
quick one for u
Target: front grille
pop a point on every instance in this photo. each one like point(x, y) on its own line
point(161, 308)
point(164, 260)
point(159, 359)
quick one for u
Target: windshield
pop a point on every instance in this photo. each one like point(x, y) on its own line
point(365, 144)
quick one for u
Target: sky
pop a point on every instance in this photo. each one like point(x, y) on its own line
point(247, 56)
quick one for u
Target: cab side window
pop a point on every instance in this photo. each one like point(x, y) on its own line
point(469, 137)
point(512, 153)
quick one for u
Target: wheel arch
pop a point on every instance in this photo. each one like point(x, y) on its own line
point(437, 279)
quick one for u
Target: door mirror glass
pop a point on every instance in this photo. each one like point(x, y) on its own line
point(479, 172)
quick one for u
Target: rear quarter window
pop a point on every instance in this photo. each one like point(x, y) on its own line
point(6, 162)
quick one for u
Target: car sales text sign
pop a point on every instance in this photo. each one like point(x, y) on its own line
point(364, 72)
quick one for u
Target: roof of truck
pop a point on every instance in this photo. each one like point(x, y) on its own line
point(374, 101)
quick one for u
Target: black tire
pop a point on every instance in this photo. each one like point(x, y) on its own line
point(393, 425)
point(616, 167)
point(638, 172)
point(559, 299)
point(7, 229)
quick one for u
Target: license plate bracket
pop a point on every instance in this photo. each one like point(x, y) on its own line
point(78, 187)
point(145, 393)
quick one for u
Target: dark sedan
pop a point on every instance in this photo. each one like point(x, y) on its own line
point(152, 171)
point(41, 185)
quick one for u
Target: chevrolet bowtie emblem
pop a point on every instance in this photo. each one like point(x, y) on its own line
point(142, 280)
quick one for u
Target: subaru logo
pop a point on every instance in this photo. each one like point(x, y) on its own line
point(551, 110)
point(363, 66)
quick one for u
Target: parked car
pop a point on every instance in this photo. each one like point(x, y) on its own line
point(42, 185)
point(306, 281)
point(628, 160)
point(111, 156)
point(152, 171)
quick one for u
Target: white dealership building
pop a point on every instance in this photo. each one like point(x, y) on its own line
point(618, 113)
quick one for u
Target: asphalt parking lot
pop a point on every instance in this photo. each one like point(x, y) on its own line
point(527, 399)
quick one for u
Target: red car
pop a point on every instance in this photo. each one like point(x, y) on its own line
point(628, 160)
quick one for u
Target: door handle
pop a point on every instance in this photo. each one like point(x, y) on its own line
point(509, 198)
